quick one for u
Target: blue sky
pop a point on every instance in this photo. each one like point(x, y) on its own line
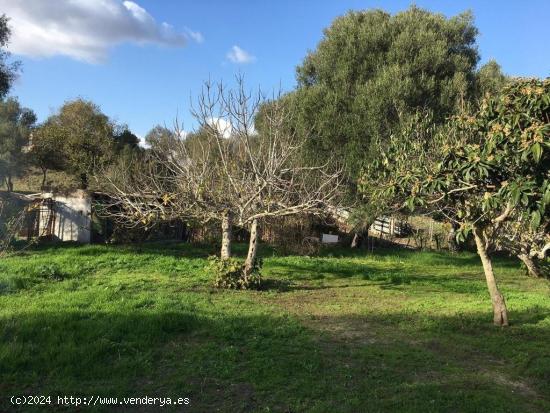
point(142, 72)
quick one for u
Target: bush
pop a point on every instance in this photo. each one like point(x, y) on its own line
point(230, 274)
point(49, 272)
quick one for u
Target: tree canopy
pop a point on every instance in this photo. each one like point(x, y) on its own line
point(46, 150)
point(490, 79)
point(481, 170)
point(8, 70)
point(125, 139)
point(372, 69)
point(86, 136)
point(160, 137)
point(15, 126)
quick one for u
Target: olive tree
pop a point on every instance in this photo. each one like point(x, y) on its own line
point(8, 70)
point(371, 67)
point(46, 150)
point(16, 123)
point(481, 171)
point(85, 135)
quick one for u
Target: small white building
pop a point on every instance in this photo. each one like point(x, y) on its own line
point(62, 216)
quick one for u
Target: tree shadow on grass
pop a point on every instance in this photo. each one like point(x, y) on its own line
point(463, 351)
point(241, 363)
point(163, 354)
point(328, 257)
point(388, 277)
point(176, 249)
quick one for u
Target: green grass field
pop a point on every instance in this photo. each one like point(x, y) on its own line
point(390, 331)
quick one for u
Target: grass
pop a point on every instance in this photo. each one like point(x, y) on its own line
point(31, 181)
point(343, 332)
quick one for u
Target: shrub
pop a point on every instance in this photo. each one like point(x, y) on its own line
point(13, 283)
point(229, 274)
point(49, 272)
point(5, 287)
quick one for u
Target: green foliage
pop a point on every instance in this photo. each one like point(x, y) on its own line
point(8, 71)
point(372, 70)
point(85, 135)
point(80, 140)
point(160, 138)
point(16, 123)
point(479, 166)
point(417, 143)
point(47, 150)
point(49, 272)
point(125, 139)
point(230, 273)
point(490, 79)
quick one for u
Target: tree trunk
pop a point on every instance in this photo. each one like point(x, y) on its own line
point(44, 172)
point(356, 240)
point(451, 239)
point(430, 246)
point(227, 226)
point(83, 181)
point(9, 184)
point(252, 249)
point(532, 267)
point(500, 313)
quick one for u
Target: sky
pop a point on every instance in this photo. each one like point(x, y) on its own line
point(142, 61)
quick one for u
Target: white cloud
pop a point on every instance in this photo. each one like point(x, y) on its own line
point(85, 29)
point(223, 126)
point(196, 36)
point(238, 55)
point(226, 128)
point(182, 134)
point(141, 138)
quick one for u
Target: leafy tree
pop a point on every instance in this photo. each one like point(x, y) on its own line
point(15, 126)
point(481, 171)
point(86, 135)
point(124, 138)
point(160, 138)
point(46, 150)
point(8, 71)
point(490, 79)
point(372, 69)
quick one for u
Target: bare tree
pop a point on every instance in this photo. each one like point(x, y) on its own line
point(14, 215)
point(176, 179)
point(242, 165)
point(10, 224)
point(262, 160)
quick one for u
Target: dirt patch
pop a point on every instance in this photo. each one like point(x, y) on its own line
point(214, 395)
point(515, 386)
point(341, 317)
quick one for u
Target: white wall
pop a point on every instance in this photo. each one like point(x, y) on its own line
point(72, 216)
